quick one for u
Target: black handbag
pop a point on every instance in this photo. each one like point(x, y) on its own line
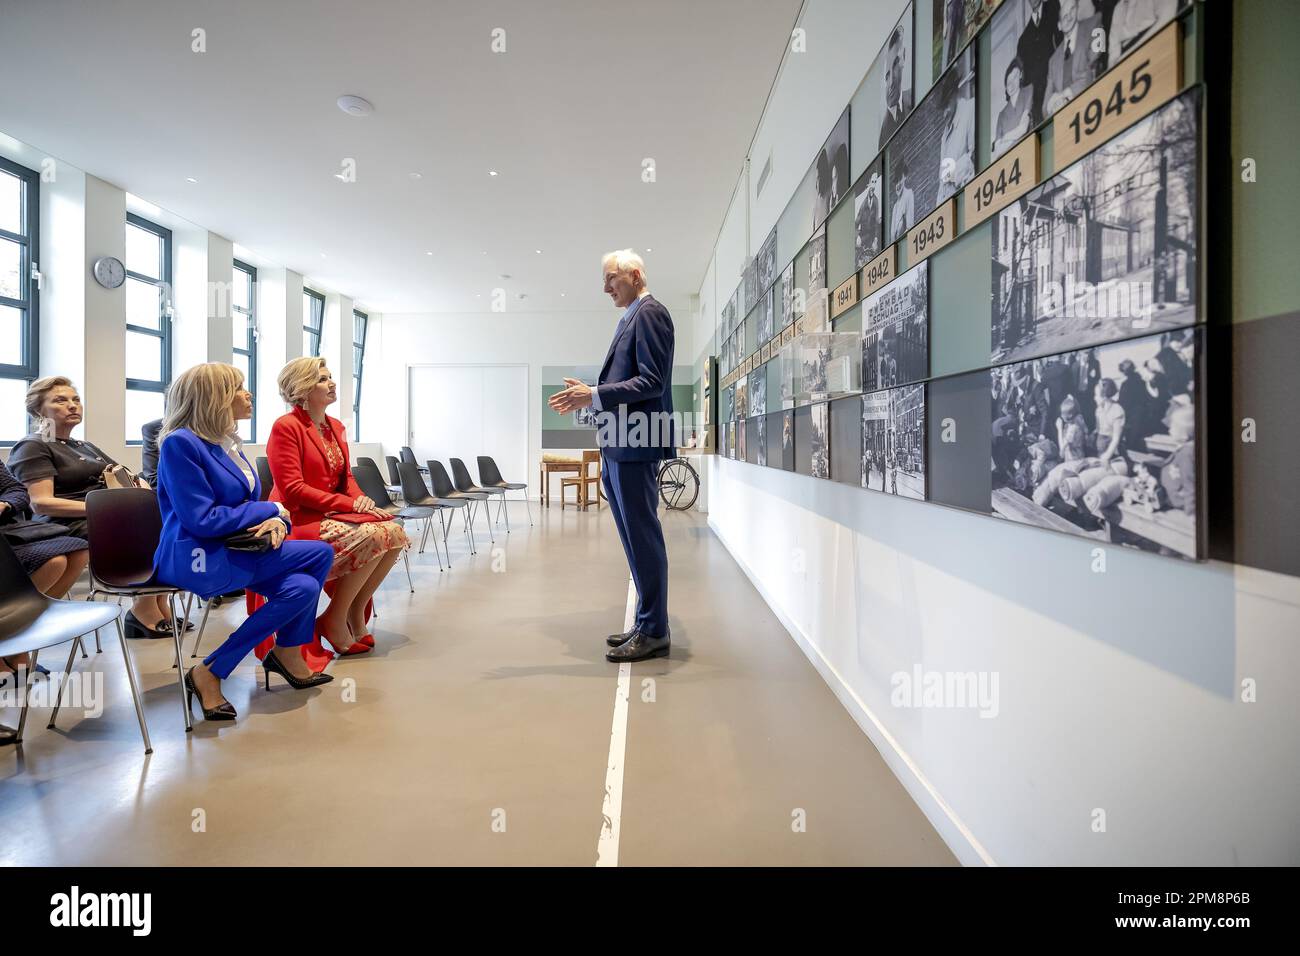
point(247, 541)
point(29, 532)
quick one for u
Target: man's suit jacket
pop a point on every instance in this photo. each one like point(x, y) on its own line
point(636, 388)
point(149, 451)
point(204, 498)
point(893, 118)
point(302, 477)
point(1078, 71)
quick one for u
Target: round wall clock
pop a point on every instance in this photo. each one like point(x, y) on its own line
point(109, 272)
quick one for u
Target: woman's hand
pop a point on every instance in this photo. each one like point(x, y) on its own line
point(367, 506)
point(275, 528)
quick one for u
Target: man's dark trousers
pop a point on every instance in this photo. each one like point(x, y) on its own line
point(632, 488)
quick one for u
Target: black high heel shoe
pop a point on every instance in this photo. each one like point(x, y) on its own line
point(136, 630)
point(223, 711)
point(270, 665)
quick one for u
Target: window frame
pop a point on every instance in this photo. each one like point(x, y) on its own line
point(164, 331)
point(29, 239)
point(318, 298)
point(358, 368)
point(250, 352)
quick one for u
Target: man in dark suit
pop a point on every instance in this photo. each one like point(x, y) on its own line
point(634, 404)
point(1073, 65)
point(149, 451)
point(898, 102)
point(1037, 43)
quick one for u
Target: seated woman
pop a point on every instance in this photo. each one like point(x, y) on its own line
point(207, 492)
point(53, 560)
point(308, 455)
point(59, 471)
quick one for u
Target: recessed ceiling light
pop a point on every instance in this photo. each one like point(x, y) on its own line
point(322, 255)
point(484, 252)
point(492, 172)
point(190, 179)
point(355, 105)
point(416, 175)
point(428, 253)
point(539, 252)
point(561, 295)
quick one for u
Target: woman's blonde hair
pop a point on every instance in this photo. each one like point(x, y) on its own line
point(299, 377)
point(200, 399)
point(37, 392)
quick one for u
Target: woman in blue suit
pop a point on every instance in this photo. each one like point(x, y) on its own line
point(208, 491)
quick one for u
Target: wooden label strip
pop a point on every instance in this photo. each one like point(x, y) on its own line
point(1013, 175)
point(932, 233)
point(845, 296)
point(879, 270)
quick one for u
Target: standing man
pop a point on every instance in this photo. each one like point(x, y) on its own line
point(634, 404)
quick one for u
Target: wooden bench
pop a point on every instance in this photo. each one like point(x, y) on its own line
point(1011, 504)
point(1171, 528)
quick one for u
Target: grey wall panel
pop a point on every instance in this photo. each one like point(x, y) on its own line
point(959, 470)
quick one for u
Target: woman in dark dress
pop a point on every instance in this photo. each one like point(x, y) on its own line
point(59, 471)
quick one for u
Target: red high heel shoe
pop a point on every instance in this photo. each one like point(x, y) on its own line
point(367, 639)
point(353, 649)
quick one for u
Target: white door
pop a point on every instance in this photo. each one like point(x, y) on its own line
point(463, 411)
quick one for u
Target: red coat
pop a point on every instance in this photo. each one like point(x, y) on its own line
point(302, 475)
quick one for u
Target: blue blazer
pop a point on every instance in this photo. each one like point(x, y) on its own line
point(204, 498)
point(637, 377)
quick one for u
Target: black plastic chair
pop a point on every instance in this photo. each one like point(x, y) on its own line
point(394, 476)
point(416, 495)
point(489, 477)
point(372, 486)
point(444, 490)
point(30, 622)
point(264, 476)
point(465, 485)
point(367, 461)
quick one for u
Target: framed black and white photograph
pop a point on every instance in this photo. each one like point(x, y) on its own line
point(816, 265)
point(895, 331)
point(832, 170)
point(814, 357)
point(787, 440)
point(761, 438)
point(1105, 249)
point(729, 317)
point(893, 441)
point(889, 90)
point(584, 417)
point(750, 285)
point(767, 262)
point(758, 391)
point(740, 440)
point(821, 439)
point(933, 155)
point(787, 295)
point(766, 317)
point(868, 215)
point(955, 24)
point(1101, 442)
point(742, 397)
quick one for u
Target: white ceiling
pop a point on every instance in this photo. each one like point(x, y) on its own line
point(584, 92)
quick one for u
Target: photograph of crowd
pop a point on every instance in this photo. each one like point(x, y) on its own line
point(893, 441)
point(933, 155)
point(787, 295)
point(787, 440)
point(750, 285)
point(766, 307)
point(742, 396)
point(832, 170)
point(888, 92)
point(767, 262)
point(895, 331)
point(1101, 442)
point(955, 23)
point(815, 356)
point(821, 439)
point(758, 391)
point(1106, 248)
point(868, 215)
point(761, 438)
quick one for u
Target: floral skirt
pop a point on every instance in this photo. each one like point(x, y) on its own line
point(357, 545)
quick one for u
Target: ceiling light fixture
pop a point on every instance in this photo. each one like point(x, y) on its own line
point(492, 172)
point(539, 251)
point(355, 105)
point(190, 179)
point(416, 175)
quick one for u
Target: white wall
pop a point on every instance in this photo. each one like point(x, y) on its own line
point(1117, 691)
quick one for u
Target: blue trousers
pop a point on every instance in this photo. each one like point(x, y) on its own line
point(632, 488)
point(291, 580)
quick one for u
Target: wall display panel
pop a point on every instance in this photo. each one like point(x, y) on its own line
point(832, 170)
point(787, 440)
point(819, 446)
point(1043, 54)
point(766, 316)
point(958, 339)
point(893, 442)
point(742, 397)
point(728, 317)
point(896, 323)
point(758, 391)
point(886, 95)
point(727, 403)
point(772, 431)
point(955, 24)
point(792, 226)
point(846, 436)
point(868, 215)
point(1102, 442)
point(759, 444)
point(958, 441)
point(933, 154)
point(1105, 249)
point(750, 283)
point(839, 242)
point(787, 296)
point(803, 440)
point(816, 265)
point(742, 430)
point(767, 262)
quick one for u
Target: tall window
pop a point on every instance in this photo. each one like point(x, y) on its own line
point(313, 319)
point(359, 322)
point(148, 322)
point(243, 316)
point(19, 321)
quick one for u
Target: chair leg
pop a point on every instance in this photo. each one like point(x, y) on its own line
point(135, 686)
point(442, 520)
point(27, 695)
point(203, 622)
point(406, 559)
point(436, 552)
point(528, 508)
point(67, 670)
point(180, 671)
point(506, 510)
point(487, 514)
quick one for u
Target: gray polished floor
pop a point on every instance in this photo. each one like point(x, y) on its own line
point(478, 733)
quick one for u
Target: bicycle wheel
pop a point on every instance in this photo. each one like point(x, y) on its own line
point(679, 485)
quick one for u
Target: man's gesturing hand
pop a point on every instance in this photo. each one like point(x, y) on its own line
point(577, 395)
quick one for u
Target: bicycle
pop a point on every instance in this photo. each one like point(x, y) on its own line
point(679, 484)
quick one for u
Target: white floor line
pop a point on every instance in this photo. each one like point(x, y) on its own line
point(612, 808)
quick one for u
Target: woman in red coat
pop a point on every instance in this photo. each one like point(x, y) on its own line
point(308, 455)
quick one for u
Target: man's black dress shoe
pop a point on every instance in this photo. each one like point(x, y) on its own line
point(616, 639)
point(7, 736)
point(640, 647)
